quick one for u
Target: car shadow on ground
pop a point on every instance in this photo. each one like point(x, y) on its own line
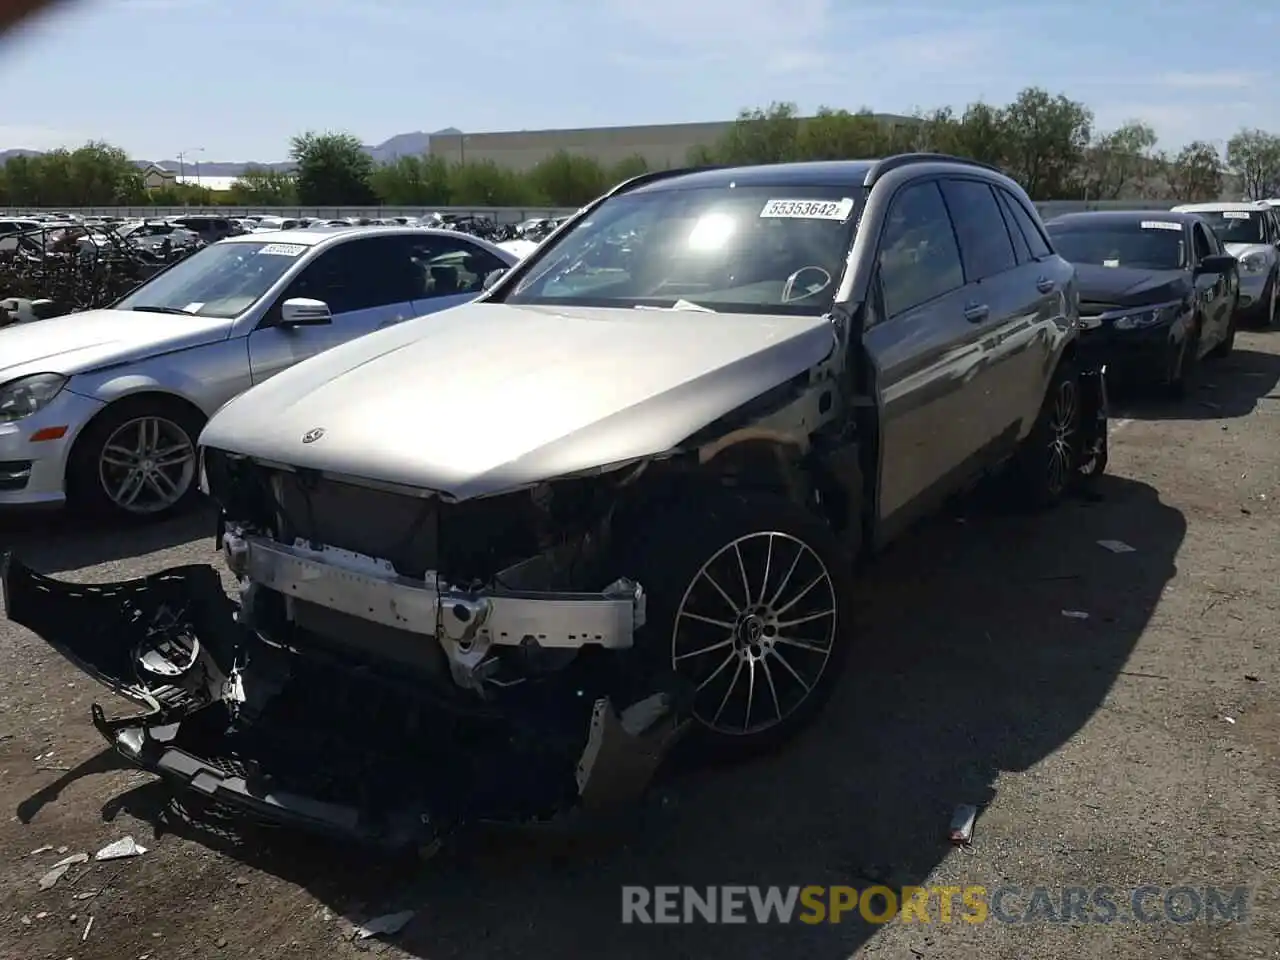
point(968, 667)
point(1227, 388)
point(55, 541)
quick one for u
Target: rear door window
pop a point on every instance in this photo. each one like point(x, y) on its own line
point(1030, 230)
point(985, 246)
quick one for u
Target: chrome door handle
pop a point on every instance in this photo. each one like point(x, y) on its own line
point(977, 312)
point(1044, 285)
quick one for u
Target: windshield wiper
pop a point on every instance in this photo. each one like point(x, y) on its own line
point(679, 305)
point(156, 308)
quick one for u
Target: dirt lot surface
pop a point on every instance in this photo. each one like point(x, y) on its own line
point(1136, 746)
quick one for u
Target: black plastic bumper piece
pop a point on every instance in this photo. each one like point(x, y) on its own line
point(281, 767)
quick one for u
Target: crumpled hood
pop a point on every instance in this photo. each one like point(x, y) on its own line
point(1130, 287)
point(1241, 250)
point(486, 397)
point(79, 342)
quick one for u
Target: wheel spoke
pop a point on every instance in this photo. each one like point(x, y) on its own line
point(809, 618)
point(742, 569)
point(724, 624)
point(801, 595)
point(800, 643)
point(707, 649)
point(773, 690)
point(163, 480)
point(131, 488)
point(786, 665)
point(706, 575)
point(751, 695)
point(724, 702)
point(768, 562)
point(786, 577)
point(152, 481)
point(718, 670)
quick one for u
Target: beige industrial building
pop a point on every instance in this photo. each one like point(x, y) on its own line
point(661, 145)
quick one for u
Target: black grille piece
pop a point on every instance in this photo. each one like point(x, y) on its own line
point(1094, 309)
point(377, 523)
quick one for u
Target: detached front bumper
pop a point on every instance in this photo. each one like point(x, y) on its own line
point(324, 745)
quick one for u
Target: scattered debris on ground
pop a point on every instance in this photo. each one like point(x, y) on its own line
point(388, 924)
point(119, 849)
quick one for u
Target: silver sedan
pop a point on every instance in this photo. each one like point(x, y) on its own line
point(102, 409)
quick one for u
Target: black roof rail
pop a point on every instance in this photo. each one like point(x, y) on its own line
point(653, 176)
point(889, 164)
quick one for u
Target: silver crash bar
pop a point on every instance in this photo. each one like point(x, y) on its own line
point(371, 590)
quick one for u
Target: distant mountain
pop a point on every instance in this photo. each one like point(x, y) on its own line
point(401, 145)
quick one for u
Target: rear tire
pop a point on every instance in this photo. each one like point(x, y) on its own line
point(137, 461)
point(749, 605)
point(1044, 469)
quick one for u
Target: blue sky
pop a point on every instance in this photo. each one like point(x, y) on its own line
point(239, 77)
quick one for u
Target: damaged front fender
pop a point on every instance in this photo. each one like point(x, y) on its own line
point(330, 746)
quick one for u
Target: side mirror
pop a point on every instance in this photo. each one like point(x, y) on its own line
point(1217, 263)
point(493, 276)
point(304, 312)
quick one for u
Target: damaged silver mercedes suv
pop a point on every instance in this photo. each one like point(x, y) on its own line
point(493, 563)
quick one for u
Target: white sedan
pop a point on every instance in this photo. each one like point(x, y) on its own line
point(102, 409)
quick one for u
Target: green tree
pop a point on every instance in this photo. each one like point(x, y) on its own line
point(770, 135)
point(981, 134)
point(628, 167)
point(332, 168)
point(262, 186)
point(482, 183)
point(1046, 137)
point(1253, 157)
point(1117, 163)
point(96, 174)
point(413, 181)
point(838, 135)
point(1195, 174)
point(567, 180)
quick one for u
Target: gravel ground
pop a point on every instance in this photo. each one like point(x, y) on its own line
point(1099, 750)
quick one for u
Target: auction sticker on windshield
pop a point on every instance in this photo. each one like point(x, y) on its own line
point(1236, 214)
point(1161, 225)
point(838, 210)
point(283, 249)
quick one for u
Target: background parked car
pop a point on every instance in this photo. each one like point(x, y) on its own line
point(210, 229)
point(1158, 292)
point(1251, 234)
point(103, 408)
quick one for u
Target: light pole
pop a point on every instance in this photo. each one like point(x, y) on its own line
point(182, 164)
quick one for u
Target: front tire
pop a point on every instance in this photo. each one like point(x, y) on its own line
point(1271, 297)
point(136, 461)
point(1186, 366)
point(749, 606)
point(1223, 350)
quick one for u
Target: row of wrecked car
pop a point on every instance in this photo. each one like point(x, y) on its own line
point(495, 561)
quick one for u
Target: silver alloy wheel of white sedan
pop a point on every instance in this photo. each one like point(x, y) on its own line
point(147, 465)
point(756, 642)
